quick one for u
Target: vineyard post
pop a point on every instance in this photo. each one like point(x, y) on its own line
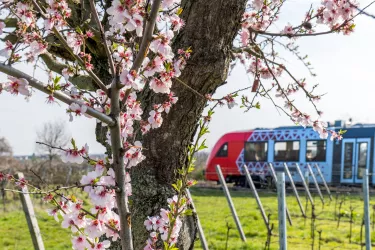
point(366, 200)
point(281, 210)
point(315, 182)
point(260, 206)
point(286, 169)
point(324, 181)
point(230, 202)
point(275, 179)
point(200, 229)
point(30, 216)
point(304, 184)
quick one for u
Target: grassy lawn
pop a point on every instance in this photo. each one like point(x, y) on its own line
point(216, 218)
point(14, 233)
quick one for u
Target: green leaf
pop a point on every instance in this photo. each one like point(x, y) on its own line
point(201, 147)
point(341, 132)
point(176, 187)
point(257, 105)
point(78, 29)
point(166, 246)
point(188, 212)
point(73, 143)
point(114, 46)
point(56, 80)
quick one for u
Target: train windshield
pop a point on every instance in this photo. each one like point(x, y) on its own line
point(223, 151)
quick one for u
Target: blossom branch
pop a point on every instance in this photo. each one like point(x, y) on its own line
point(147, 36)
point(311, 34)
point(103, 37)
point(57, 94)
point(67, 47)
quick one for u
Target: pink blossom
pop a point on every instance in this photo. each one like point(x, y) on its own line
point(2, 26)
point(176, 22)
point(69, 222)
point(80, 243)
point(134, 155)
point(155, 120)
point(245, 35)
point(74, 41)
point(77, 109)
point(151, 67)
point(54, 213)
point(18, 86)
point(74, 155)
point(67, 73)
point(94, 228)
point(135, 23)
point(37, 48)
point(166, 4)
point(130, 80)
point(7, 51)
point(101, 245)
point(161, 45)
point(288, 29)
point(158, 86)
point(90, 179)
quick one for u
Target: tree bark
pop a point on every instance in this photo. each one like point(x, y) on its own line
point(210, 29)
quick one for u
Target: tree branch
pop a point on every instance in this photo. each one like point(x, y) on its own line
point(81, 81)
point(147, 37)
point(103, 37)
point(120, 171)
point(57, 94)
point(51, 63)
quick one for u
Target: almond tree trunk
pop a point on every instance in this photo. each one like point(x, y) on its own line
point(211, 26)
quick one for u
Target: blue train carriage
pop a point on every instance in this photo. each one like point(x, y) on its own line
point(341, 162)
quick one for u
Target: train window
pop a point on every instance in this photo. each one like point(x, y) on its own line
point(256, 151)
point(223, 151)
point(286, 151)
point(316, 150)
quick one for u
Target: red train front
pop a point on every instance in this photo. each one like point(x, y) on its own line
point(225, 153)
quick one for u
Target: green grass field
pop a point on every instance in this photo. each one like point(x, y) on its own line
point(215, 216)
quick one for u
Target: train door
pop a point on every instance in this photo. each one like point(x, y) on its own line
point(355, 158)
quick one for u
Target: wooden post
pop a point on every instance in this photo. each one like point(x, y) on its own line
point(324, 181)
point(30, 217)
point(230, 202)
point(281, 210)
point(275, 179)
point(315, 182)
point(366, 218)
point(294, 189)
point(252, 186)
point(304, 184)
point(200, 229)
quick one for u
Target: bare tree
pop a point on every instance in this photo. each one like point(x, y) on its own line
point(5, 148)
point(54, 134)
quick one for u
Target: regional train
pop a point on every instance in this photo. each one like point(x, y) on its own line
point(341, 162)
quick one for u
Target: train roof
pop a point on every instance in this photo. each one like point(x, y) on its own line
point(356, 130)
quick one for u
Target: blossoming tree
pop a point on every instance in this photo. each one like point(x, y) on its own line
point(145, 70)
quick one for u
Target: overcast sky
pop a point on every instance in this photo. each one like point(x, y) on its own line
point(344, 66)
